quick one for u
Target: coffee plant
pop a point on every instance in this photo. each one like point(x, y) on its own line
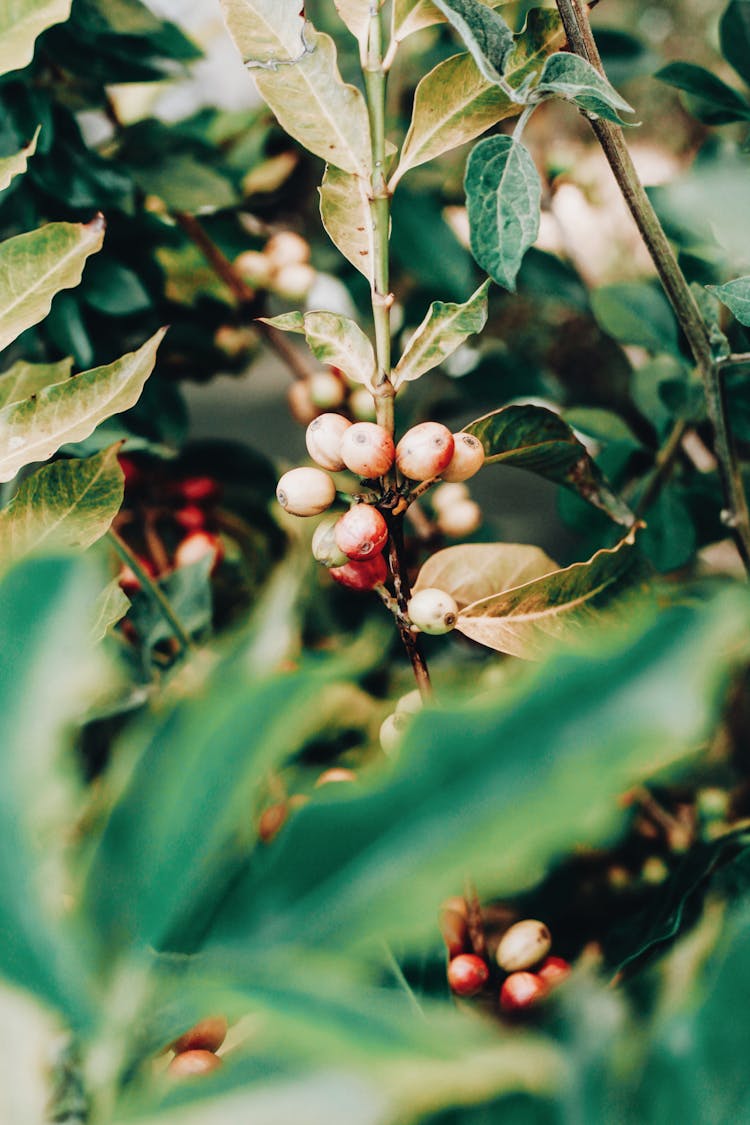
point(324, 799)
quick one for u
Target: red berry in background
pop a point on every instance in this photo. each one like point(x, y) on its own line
point(191, 517)
point(199, 490)
point(425, 450)
point(131, 471)
point(367, 450)
point(129, 583)
point(554, 970)
point(193, 1064)
point(361, 532)
point(361, 575)
point(197, 546)
point(467, 974)
point(206, 1035)
point(520, 991)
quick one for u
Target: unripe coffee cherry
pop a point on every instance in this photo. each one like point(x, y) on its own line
point(362, 405)
point(523, 945)
point(367, 450)
point(424, 451)
point(255, 268)
point(206, 1035)
point(554, 970)
point(467, 974)
point(433, 611)
point(323, 439)
point(459, 519)
point(392, 732)
point(361, 532)
point(327, 390)
point(411, 703)
point(324, 547)
point(193, 1064)
point(300, 402)
point(364, 575)
point(287, 249)
point(520, 991)
point(305, 492)
point(199, 545)
point(294, 282)
point(467, 459)
point(335, 776)
point(448, 495)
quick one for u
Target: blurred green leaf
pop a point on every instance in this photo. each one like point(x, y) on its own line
point(734, 34)
point(637, 313)
point(709, 99)
point(486, 34)
point(21, 21)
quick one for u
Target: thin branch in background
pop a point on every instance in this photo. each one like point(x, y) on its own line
point(665, 460)
point(152, 590)
point(610, 136)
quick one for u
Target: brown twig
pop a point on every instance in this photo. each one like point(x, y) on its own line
point(402, 590)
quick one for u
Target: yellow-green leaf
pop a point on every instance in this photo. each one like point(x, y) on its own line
point(12, 166)
point(468, 570)
point(25, 379)
point(36, 266)
point(265, 31)
point(21, 21)
point(34, 429)
point(443, 330)
point(333, 339)
point(111, 606)
point(345, 211)
point(316, 107)
point(356, 16)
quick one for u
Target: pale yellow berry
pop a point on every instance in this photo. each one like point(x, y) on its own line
point(410, 704)
point(294, 282)
point(392, 733)
point(327, 390)
point(460, 519)
point(467, 459)
point(524, 945)
point(305, 492)
point(447, 495)
point(255, 268)
point(362, 405)
point(433, 611)
point(323, 439)
point(287, 249)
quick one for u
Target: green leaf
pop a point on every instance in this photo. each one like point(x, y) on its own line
point(736, 296)
point(21, 21)
point(709, 99)
point(455, 103)
point(315, 106)
point(443, 330)
point(637, 313)
point(486, 34)
point(111, 606)
point(333, 339)
point(12, 166)
point(523, 620)
point(32, 430)
point(188, 590)
point(351, 867)
point(503, 196)
point(265, 31)
point(345, 211)
point(36, 266)
point(575, 79)
point(468, 570)
point(25, 379)
point(66, 504)
point(415, 15)
point(734, 35)
point(537, 439)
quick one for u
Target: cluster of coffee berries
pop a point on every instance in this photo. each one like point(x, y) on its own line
point(195, 1051)
point(282, 267)
point(351, 545)
point(456, 514)
point(522, 959)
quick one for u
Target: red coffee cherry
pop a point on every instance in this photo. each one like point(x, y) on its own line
point(367, 450)
point(520, 991)
point(361, 532)
point(523, 945)
point(197, 546)
point(193, 1064)
point(191, 517)
point(467, 459)
point(554, 970)
point(323, 440)
point(305, 492)
point(364, 575)
point(131, 471)
point(424, 451)
point(206, 1035)
point(199, 490)
point(467, 974)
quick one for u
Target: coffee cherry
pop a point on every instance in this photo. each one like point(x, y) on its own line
point(460, 519)
point(294, 282)
point(392, 731)
point(191, 517)
point(206, 1035)
point(520, 991)
point(300, 402)
point(364, 575)
point(131, 471)
point(467, 459)
point(323, 440)
point(523, 945)
point(361, 532)
point(199, 490)
point(255, 268)
point(554, 970)
point(196, 546)
point(305, 492)
point(327, 390)
point(367, 450)
point(362, 405)
point(467, 974)
point(448, 495)
point(424, 451)
point(193, 1064)
point(335, 776)
point(433, 611)
point(271, 821)
point(411, 703)
point(234, 342)
point(287, 249)
point(324, 546)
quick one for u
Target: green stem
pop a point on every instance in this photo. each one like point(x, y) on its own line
point(152, 590)
point(610, 136)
